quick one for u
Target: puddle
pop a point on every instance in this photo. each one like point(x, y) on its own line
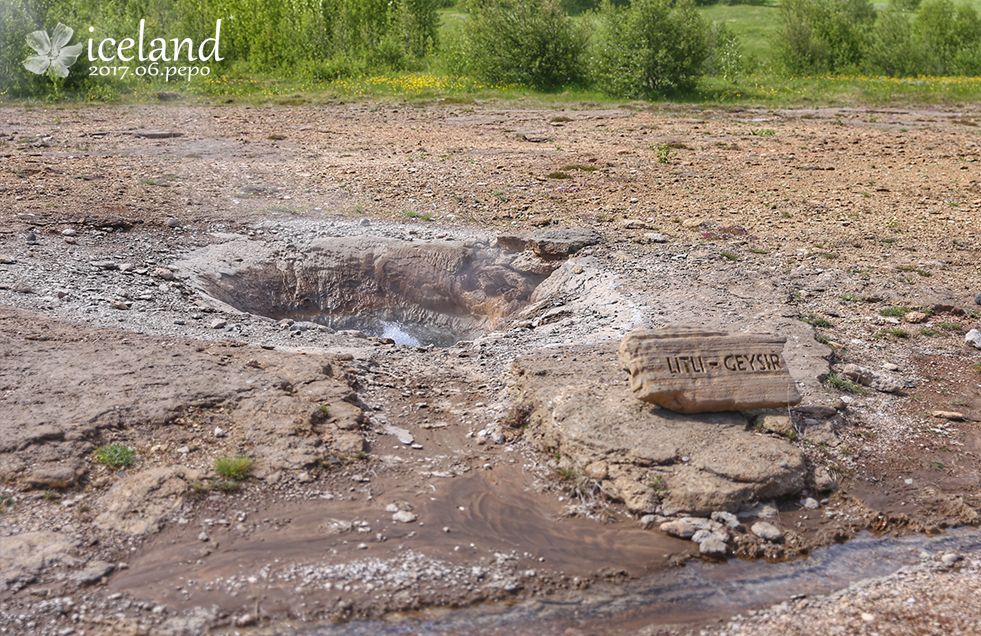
point(696, 593)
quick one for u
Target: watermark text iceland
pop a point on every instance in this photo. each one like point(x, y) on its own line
point(160, 50)
point(154, 58)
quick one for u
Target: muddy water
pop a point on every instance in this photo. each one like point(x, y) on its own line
point(697, 593)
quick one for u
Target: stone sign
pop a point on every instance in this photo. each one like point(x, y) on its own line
point(693, 371)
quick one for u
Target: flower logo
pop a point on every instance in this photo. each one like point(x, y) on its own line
point(53, 56)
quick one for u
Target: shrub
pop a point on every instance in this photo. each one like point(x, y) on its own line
point(950, 37)
point(532, 42)
point(114, 455)
point(234, 468)
point(650, 48)
point(725, 57)
point(819, 36)
point(891, 48)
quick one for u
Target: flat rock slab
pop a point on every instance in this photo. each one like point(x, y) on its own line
point(692, 371)
point(652, 459)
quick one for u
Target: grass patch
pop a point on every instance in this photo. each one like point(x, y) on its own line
point(816, 321)
point(6, 502)
point(758, 250)
point(658, 484)
point(115, 455)
point(842, 383)
point(894, 312)
point(580, 167)
point(894, 332)
point(558, 175)
point(237, 468)
point(950, 326)
point(729, 256)
point(821, 337)
point(926, 331)
point(852, 298)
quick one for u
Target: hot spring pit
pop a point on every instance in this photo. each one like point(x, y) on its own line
point(414, 293)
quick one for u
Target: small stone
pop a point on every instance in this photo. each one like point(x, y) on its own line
point(94, 572)
point(634, 224)
point(713, 547)
point(7, 259)
point(404, 516)
point(779, 424)
point(362, 546)
point(245, 620)
point(219, 432)
point(950, 415)
point(679, 528)
point(730, 520)
point(103, 264)
point(767, 531)
point(164, 273)
point(823, 481)
point(125, 267)
point(977, 299)
point(868, 618)
point(889, 366)
point(973, 338)
point(203, 536)
point(391, 508)
point(365, 222)
point(873, 379)
point(951, 558)
point(69, 231)
point(218, 323)
point(118, 304)
point(810, 503)
point(657, 237)
point(915, 317)
point(172, 222)
point(30, 238)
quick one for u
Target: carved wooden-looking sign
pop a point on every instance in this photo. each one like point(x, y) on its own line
point(692, 371)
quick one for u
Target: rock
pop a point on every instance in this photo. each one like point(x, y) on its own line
point(951, 558)
point(118, 304)
point(950, 415)
point(692, 371)
point(404, 516)
point(69, 231)
point(779, 424)
point(103, 264)
point(7, 259)
point(193, 622)
point(24, 556)
point(562, 242)
point(767, 531)
point(973, 338)
point(59, 474)
point(94, 572)
point(823, 481)
point(728, 519)
point(138, 503)
point(977, 299)
point(172, 222)
point(512, 242)
point(872, 378)
point(915, 317)
point(713, 547)
point(679, 528)
point(634, 224)
point(164, 273)
point(218, 323)
point(889, 366)
point(816, 411)
point(810, 503)
point(583, 411)
point(657, 237)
